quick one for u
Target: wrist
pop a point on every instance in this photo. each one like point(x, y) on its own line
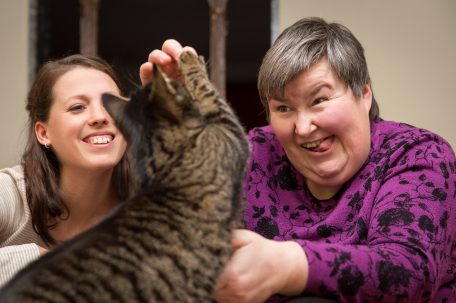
point(297, 275)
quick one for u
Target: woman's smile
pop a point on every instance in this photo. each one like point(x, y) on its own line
point(78, 113)
point(99, 139)
point(319, 146)
point(323, 128)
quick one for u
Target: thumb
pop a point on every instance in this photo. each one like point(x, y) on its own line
point(242, 237)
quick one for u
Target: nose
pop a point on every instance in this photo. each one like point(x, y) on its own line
point(98, 116)
point(304, 124)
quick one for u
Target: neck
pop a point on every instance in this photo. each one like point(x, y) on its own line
point(322, 192)
point(89, 197)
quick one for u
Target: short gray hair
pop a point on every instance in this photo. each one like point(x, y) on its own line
point(303, 44)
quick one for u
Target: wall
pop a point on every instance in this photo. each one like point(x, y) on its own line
point(13, 79)
point(410, 47)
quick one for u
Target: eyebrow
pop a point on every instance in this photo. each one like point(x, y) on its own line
point(77, 96)
point(277, 98)
point(85, 97)
point(315, 90)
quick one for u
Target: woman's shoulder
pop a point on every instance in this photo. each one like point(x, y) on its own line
point(264, 143)
point(262, 135)
point(16, 172)
point(15, 218)
point(12, 187)
point(261, 131)
point(394, 135)
point(12, 177)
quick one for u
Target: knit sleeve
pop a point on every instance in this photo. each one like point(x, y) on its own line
point(16, 251)
point(14, 258)
point(408, 239)
point(10, 205)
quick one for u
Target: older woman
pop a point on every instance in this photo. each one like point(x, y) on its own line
point(340, 204)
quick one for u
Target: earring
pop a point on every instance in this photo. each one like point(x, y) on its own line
point(47, 145)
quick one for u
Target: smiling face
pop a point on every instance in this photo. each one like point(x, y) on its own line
point(80, 131)
point(323, 128)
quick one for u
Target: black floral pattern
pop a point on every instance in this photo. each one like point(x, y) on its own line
point(387, 236)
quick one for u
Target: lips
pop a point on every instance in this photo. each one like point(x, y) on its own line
point(320, 145)
point(99, 139)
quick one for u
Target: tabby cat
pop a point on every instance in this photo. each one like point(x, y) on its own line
point(170, 242)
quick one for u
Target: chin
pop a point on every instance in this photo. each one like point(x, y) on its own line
point(331, 173)
point(103, 164)
point(333, 178)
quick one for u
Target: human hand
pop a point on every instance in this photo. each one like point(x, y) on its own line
point(42, 250)
point(166, 58)
point(260, 268)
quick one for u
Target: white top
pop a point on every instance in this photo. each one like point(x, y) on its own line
point(18, 240)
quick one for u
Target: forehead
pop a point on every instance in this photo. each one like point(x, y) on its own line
point(320, 74)
point(320, 70)
point(80, 79)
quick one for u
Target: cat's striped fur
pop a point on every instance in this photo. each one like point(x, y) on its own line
point(170, 242)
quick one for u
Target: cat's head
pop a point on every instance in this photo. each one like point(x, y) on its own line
point(159, 122)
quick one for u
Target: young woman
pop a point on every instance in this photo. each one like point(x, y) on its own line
point(74, 170)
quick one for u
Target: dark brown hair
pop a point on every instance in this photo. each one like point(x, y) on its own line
point(303, 44)
point(41, 166)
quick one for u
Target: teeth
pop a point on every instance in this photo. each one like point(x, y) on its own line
point(313, 144)
point(100, 140)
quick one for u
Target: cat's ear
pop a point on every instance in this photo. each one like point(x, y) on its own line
point(161, 82)
point(115, 105)
point(164, 96)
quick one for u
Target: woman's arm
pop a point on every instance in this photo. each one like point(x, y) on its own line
point(390, 238)
point(14, 258)
point(16, 251)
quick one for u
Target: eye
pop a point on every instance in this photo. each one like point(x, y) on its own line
point(282, 108)
point(77, 108)
point(319, 100)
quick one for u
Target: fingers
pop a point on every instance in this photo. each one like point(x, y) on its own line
point(145, 72)
point(242, 280)
point(170, 51)
point(172, 48)
point(166, 58)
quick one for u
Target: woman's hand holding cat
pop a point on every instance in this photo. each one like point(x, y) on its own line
point(42, 250)
point(260, 268)
point(166, 58)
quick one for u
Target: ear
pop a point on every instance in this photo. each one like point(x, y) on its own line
point(115, 105)
point(41, 133)
point(165, 97)
point(366, 96)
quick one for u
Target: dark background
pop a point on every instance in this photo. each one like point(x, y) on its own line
point(130, 30)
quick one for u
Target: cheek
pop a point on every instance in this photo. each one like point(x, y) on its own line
point(282, 128)
point(336, 121)
point(71, 128)
point(351, 126)
point(123, 144)
point(345, 119)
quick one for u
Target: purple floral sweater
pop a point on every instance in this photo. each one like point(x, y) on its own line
point(389, 235)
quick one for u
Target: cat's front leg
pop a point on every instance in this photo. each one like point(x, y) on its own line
point(197, 83)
